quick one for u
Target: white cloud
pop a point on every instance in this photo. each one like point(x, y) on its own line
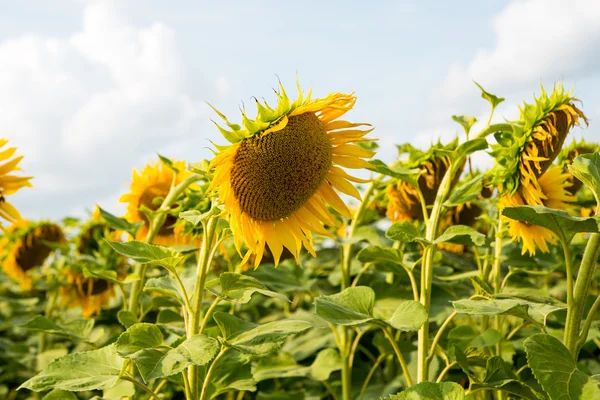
point(85, 108)
point(535, 39)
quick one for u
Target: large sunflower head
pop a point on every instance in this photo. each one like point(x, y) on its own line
point(27, 245)
point(147, 188)
point(284, 166)
point(88, 293)
point(404, 203)
point(10, 184)
point(554, 194)
point(537, 138)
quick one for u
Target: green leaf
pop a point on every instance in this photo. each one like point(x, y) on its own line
point(161, 362)
point(127, 318)
point(409, 316)
point(278, 365)
point(138, 337)
point(586, 168)
point(122, 389)
point(465, 121)
point(145, 253)
point(409, 175)
point(167, 286)
point(58, 394)
point(404, 231)
point(91, 370)
point(352, 306)
point(554, 368)
point(492, 99)
point(250, 338)
point(468, 191)
point(559, 222)
point(380, 254)
point(469, 147)
point(239, 288)
point(79, 328)
point(431, 391)
point(232, 372)
point(531, 311)
point(168, 163)
point(326, 362)
point(461, 234)
point(120, 224)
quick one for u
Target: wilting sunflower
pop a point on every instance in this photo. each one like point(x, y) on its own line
point(404, 203)
point(569, 153)
point(554, 194)
point(26, 246)
point(463, 214)
point(10, 184)
point(153, 182)
point(88, 293)
point(537, 138)
point(282, 167)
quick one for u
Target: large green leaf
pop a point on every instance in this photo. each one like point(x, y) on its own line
point(431, 391)
point(250, 338)
point(91, 370)
point(58, 394)
point(499, 375)
point(326, 362)
point(278, 365)
point(239, 288)
point(532, 311)
point(409, 175)
point(467, 191)
point(78, 328)
point(138, 337)
point(586, 168)
point(352, 306)
point(559, 222)
point(555, 369)
point(469, 147)
point(380, 254)
point(232, 372)
point(461, 234)
point(150, 254)
point(167, 286)
point(405, 231)
point(121, 224)
point(409, 316)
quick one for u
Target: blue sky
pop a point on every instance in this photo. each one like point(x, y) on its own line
point(91, 89)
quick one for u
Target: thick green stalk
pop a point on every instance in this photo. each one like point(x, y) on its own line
point(427, 268)
point(497, 276)
point(582, 285)
point(201, 272)
point(155, 225)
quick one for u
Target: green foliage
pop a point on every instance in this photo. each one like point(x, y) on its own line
point(431, 391)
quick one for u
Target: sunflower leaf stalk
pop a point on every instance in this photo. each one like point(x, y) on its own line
point(157, 222)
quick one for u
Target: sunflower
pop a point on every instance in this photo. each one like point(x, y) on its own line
point(88, 293)
point(404, 203)
point(537, 138)
point(568, 154)
point(281, 169)
point(554, 194)
point(153, 182)
point(26, 246)
point(10, 184)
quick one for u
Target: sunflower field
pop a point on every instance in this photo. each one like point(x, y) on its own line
point(296, 265)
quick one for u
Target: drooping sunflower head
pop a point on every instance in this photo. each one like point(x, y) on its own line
point(554, 186)
point(10, 184)
point(284, 166)
point(569, 153)
point(404, 203)
point(537, 138)
point(148, 187)
point(26, 246)
point(463, 214)
point(90, 294)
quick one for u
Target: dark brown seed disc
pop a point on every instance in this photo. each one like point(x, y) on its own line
point(33, 251)
point(274, 175)
point(147, 200)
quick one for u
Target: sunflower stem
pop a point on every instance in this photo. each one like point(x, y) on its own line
point(579, 295)
point(432, 227)
point(157, 222)
point(496, 271)
point(204, 258)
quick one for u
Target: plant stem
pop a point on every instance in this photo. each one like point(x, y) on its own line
point(155, 225)
point(399, 356)
point(445, 371)
point(496, 271)
point(588, 323)
point(201, 272)
point(582, 285)
point(439, 334)
point(141, 386)
point(208, 314)
point(370, 375)
point(204, 391)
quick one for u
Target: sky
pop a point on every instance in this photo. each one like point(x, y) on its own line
point(90, 90)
